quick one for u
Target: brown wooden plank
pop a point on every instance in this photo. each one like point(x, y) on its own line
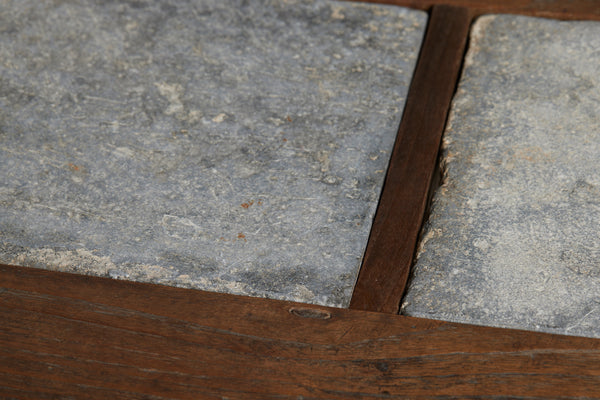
point(69, 335)
point(559, 9)
point(389, 253)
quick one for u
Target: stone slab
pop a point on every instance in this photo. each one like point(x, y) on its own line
point(230, 146)
point(512, 240)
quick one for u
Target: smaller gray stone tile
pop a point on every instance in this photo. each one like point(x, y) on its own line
point(513, 236)
point(229, 146)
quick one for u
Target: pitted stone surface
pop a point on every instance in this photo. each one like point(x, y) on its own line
point(513, 238)
point(222, 145)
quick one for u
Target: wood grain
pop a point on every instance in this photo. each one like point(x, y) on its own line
point(67, 335)
point(396, 227)
point(558, 9)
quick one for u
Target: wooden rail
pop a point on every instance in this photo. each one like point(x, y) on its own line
point(558, 9)
point(72, 336)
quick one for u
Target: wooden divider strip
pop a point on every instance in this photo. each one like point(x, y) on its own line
point(396, 227)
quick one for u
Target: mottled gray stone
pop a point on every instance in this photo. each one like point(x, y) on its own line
point(513, 238)
point(223, 145)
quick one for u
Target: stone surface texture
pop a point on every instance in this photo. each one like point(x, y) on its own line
point(512, 239)
point(230, 146)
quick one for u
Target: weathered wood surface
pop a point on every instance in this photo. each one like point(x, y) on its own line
point(68, 335)
point(398, 220)
point(559, 9)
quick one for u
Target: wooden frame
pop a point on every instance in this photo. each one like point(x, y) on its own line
point(71, 336)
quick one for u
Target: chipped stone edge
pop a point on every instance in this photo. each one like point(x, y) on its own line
point(478, 30)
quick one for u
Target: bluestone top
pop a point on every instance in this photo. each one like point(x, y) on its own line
point(230, 146)
point(513, 238)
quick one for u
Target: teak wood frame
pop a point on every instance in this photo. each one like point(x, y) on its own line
point(71, 336)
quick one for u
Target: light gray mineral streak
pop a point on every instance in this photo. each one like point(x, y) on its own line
point(223, 145)
point(513, 236)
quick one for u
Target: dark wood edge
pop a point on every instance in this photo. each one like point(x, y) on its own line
point(72, 336)
point(397, 224)
point(557, 9)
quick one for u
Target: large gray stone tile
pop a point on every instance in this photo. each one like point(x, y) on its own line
point(513, 236)
point(223, 145)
